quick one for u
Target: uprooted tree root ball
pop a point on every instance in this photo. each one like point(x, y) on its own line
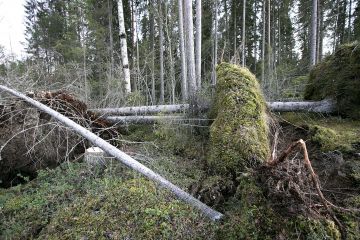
point(31, 140)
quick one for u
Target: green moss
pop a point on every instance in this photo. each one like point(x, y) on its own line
point(239, 133)
point(71, 202)
point(338, 77)
point(328, 139)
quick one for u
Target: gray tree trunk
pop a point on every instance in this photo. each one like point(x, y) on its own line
point(152, 42)
point(198, 43)
point(313, 33)
point(263, 45)
point(161, 42)
point(190, 58)
point(184, 88)
point(215, 43)
point(243, 34)
point(121, 156)
point(123, 47)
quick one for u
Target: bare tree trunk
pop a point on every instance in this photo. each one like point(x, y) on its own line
point(215, 44)
point(172, 64)
point(184, 89)
point(121, 156)
point(243, 34)
point(152, 42)
point(189, 32)
point(109, 2)
point(198, 43)
point(161, 37)
point(123, 46)
point(325, 106)
point(313, 33)
point(349, 20)
point(263, 46)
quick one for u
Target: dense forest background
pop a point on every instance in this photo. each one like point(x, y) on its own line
point(77, 44)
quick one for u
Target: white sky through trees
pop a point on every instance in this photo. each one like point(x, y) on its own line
point(12, 26)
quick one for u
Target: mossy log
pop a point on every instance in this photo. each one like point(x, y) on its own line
point(239, 133)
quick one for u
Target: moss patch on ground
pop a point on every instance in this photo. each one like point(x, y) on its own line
point(239, 133)
point(73, 202)
point(338, 77)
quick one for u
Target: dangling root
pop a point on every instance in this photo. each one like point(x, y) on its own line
point(327, 204)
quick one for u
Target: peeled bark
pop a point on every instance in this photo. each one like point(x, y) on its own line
point(119, 155)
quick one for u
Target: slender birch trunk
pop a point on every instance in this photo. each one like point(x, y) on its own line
point(161, 42)
point(123, 47)
point(184, 89)
point(189, 33)
point(198, 43)
point(313, 33)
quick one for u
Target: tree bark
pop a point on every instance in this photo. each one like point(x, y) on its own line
point(215, 45)
point(152, 41)
point(198, 43)
point(263, 45)
point(121, 156)
point(184, 88)
point(143, 119)
point(123, 47)
point(142, 110)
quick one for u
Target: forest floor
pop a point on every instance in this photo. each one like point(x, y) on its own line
point(77, 201)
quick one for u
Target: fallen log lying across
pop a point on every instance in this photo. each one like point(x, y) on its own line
point(119, 155)
point(155, 119)
point(325, 106)
point(142, 110)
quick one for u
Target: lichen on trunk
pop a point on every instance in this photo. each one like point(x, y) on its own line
point(239, 133)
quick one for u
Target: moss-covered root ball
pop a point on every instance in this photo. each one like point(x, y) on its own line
point(239, 133)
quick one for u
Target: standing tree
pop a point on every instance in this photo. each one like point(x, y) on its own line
point(123, 46)
point(243, 33)
point(313, 33)
point(198, 43)
point(190, 58)
point(184, 89)
point(161, 42)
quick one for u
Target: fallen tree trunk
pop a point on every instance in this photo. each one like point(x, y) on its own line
point(156, 119)
point(142, 110)
point(119, 155)
point(325, 106)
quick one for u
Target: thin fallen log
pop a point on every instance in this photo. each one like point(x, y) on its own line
point(325, 106)
point(119, 155)
point(156, 119)
point(142, 110)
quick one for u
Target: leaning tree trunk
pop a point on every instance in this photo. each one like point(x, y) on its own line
point(119, 155)
point(123, 46)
